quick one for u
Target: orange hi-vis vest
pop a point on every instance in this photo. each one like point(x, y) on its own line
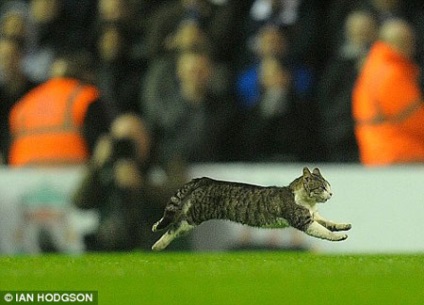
point(388, 109)
point(46, 124)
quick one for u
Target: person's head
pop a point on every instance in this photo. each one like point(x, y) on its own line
point(11, 57)
point(195, 67)
point(400, 36)
point(274, 74)
point(194, 70)
point(188, 35)
point(13, 23)
point(113, 10)
point(131, 127)
point(112, 42)
point(45, 11)
point(361, 29)
point(271, 40)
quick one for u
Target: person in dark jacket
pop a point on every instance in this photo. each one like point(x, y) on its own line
point(13, 85)
point(118, 185)
point(335, 88)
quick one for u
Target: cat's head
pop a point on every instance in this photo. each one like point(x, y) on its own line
point(315, 186)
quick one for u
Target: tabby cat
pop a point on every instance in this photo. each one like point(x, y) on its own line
point(203, 199)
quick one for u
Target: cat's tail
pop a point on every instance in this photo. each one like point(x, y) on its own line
point(175, 205)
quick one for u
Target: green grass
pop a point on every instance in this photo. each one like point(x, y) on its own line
point(226, 278)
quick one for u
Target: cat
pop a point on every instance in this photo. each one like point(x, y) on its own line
point(204, 199)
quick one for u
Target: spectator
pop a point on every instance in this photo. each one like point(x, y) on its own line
point(14, 20)
point(382, 10)
point(274, 130)
point(134, 18)
point(117, 11)
point(50, 33)
point(13, 85)
point(221, 22)
point(117, 184)
point(58, 122)
point(160, 77)
point(387, 101)
point(118, 76)
point(121, 12)
point(300, 18)
point(335, 88)
point(187, 120)
point(271, 40)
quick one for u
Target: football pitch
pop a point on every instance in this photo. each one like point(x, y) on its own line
point(224, 278)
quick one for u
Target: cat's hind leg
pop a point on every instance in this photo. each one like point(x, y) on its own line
point(170, 215)
point(175, 231)
point(177, 204)
point(164, 222)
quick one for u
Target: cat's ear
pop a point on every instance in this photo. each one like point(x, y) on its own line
point(316, 172)
point(306, 172)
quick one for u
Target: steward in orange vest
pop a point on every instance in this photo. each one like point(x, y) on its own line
point(56, 123)
point(387, 102)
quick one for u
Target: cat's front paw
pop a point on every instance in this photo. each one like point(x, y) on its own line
point(344, 227)
point(340, 237)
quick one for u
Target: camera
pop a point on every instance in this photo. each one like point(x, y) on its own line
point(123, 149)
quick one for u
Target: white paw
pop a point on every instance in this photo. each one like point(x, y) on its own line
point(154, 228)
point(346, 226)
point(154, 248)
point(342, 227)
point(158, 246)
point(341, 237)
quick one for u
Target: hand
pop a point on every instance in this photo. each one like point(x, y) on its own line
point(127, 174)
point(102, 152)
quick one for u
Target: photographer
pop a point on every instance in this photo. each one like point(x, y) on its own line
point(117, 185)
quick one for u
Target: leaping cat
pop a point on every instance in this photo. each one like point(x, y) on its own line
point(204, 199)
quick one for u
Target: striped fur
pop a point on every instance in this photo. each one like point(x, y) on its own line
point(203, 199)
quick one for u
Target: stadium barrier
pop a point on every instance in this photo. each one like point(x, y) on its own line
point(384, 205)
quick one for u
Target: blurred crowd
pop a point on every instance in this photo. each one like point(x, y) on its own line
point(259, 80)
point(123, 85)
